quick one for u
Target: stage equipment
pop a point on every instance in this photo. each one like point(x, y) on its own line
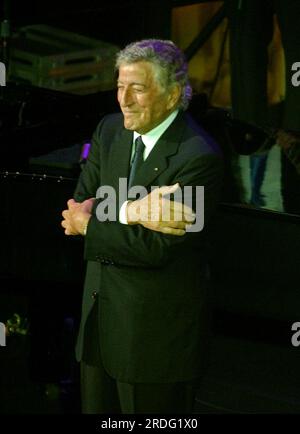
point(53, 58)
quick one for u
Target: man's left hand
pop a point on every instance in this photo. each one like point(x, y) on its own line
point(157, 213)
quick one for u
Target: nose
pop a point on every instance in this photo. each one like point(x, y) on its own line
point(125, 97)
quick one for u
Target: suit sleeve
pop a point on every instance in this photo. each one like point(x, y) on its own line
point(89, 179)
point(134, 245)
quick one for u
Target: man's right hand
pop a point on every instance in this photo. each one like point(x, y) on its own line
point(159, 214)
point(76, 217)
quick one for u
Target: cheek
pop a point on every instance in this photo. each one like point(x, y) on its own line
point(150, 109)
point(119, 97)
point(157, 109)
point(141, 102)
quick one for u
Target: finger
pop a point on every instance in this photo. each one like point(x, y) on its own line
point(177, 211)
point(87, 205)
point(87, 201)
point(71, 203)
point(168, 189)
point(161, 226)
point(65, 213)
point(185, 212)
point(175, 225)
point(69, 232)
point(67, 227)
point(172, 231)
point(188, 214)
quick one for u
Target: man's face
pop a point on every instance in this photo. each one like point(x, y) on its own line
point(142, 100)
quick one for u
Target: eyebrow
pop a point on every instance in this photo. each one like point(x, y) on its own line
point(133, 84)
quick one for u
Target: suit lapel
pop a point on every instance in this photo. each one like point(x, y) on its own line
point(120, 157)
point(155, 164)
point(157, 160)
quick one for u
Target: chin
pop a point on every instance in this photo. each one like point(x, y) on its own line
point(129, 126)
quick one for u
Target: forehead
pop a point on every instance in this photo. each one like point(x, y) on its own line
point(138, 72)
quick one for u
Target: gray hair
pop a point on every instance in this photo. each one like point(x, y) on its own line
point(169, 60)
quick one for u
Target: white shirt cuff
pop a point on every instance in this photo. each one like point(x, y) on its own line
point(122, 213)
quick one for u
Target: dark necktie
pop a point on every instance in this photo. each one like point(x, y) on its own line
point(137, 159)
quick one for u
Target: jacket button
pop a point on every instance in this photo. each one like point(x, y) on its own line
point(94, 294)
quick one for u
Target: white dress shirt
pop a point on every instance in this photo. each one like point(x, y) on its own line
point(149, 139)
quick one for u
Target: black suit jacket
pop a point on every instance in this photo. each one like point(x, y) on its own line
point(150, 287)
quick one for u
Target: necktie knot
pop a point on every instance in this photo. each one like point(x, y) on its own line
point(139, 148)
point(138, 159)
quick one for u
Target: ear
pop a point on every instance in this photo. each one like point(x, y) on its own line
point(174, 96)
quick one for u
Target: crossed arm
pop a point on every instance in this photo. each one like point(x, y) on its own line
point(203, 170)
point(147, 212)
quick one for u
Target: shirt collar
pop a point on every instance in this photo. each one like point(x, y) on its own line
point(150, 139)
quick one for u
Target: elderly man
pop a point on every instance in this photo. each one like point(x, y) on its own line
point(143, 333)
